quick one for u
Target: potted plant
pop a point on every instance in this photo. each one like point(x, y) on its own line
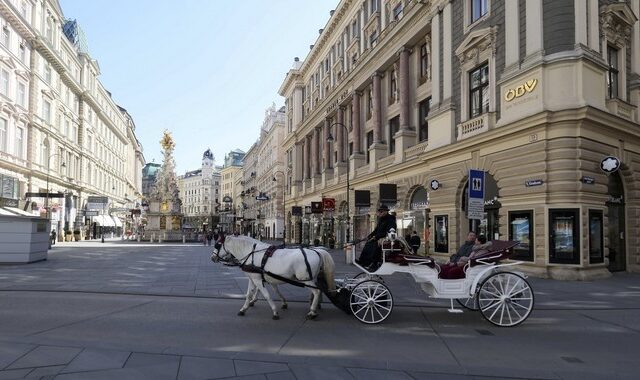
point(76, 235)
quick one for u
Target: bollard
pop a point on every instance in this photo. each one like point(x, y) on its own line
point(138, 238)
point(348, 250)
point(183, 239)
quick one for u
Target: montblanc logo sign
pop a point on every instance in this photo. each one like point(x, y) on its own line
point(521, 90)
point(610, 164)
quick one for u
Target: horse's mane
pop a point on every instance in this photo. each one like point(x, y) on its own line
point(245, 243)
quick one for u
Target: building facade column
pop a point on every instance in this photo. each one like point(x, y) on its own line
point(377, 110)
point(405, 101)
point(318, 156)
point(303, 161)
point(435, 58)
point(355, 120)
point(341, 134)
point(327, 146)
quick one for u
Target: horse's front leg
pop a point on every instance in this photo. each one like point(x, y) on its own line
point(247, 300)
point(284, 301)
point(313, 313)
point(266, 295)
point(254, 296)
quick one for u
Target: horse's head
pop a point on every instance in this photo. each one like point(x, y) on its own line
point(220, 252)
point(392, 235)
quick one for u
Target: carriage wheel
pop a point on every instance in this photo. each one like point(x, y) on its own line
point(470, 303)
point(505, 299)
point(371, 302)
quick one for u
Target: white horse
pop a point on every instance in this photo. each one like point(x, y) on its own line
point(286, 264)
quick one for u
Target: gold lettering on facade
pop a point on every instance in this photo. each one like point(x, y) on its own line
point(521, 90)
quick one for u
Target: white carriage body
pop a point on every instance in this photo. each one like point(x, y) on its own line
point(506, 300)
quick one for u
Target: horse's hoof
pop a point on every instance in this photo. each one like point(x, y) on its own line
point(275, 317)
point(285, 307)
point(241, 313)
point(312, 316)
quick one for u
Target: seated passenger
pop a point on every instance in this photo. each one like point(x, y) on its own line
point(454, 270)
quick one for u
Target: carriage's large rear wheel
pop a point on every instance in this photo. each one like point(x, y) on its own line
point(505, 299)
point(371, 302)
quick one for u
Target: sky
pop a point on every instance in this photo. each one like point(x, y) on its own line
point(206, 70)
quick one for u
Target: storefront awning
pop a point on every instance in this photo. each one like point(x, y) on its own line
point(116, 221)
point(104, 221)
point(16, 211)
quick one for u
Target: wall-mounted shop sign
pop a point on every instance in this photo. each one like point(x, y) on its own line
point(296, 210)
point(7, 202)
point(587, 180)
point(533, 182)
point(362, 198)
point(328, 204)
point(519, 91)
point(610, 164)
point(316, 207)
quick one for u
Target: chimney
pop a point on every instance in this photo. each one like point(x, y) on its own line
point(320, 31)
point(331, 12)
point(310, 47)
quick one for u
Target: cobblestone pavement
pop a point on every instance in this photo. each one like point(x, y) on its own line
point(136, 311)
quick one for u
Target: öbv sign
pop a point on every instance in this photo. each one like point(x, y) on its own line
point(519, 91)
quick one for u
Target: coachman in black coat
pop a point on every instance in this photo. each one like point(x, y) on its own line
point(371, 252)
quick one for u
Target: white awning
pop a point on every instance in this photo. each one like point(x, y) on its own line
point(18, 211)
point(104, 220)
point(116, 221)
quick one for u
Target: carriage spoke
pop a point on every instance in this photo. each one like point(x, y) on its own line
point(497, 295)
point(515, 311)
point(383, 293)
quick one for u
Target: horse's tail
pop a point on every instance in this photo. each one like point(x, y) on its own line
point(329, 268)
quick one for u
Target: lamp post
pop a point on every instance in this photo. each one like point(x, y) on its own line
point(46, 202)
point(284, 218)
point(331, 139)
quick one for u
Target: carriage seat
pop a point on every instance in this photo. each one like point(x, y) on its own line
point(498, 251)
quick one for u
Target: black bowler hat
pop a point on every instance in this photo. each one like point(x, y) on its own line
point(383, 208)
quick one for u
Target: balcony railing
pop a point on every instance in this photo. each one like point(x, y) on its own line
point(416, 150)
point(621, 108)
point(475, 126)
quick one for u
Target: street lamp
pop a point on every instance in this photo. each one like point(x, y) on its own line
point(284, 218)
point(331, 139)
point(46, 202)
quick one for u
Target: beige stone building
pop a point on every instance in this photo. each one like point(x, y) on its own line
point(200, 194)
point(60, 130)
point(263, 179)
point(231, 207)
point(538, 98)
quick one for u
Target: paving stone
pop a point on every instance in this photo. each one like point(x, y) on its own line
point(281, 376)
point(9, 352)
point(14, 373)
point(375, 374)
point(310, 372)
point(158, 366)
point(41, 372)
point(205, 368)
point(244, 367)
point(44, 356)
point(95, 359)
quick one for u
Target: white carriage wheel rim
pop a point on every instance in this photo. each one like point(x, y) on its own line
point(368, 306)
point(505, 299)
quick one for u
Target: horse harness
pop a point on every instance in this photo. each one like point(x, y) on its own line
point(269, 252)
